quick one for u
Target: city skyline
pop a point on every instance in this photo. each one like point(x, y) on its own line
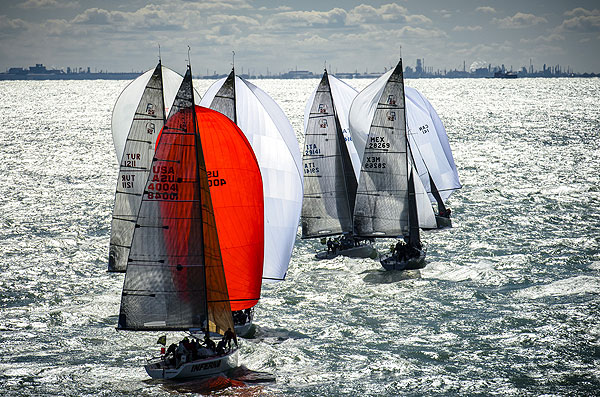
point(273, 38)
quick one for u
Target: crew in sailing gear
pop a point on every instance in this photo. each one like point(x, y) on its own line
point(230, 336)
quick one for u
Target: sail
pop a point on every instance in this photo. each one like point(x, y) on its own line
point(342, 95)
point(381, 207)
point(276, 148)
point(329, 180)
point(127, 103)
point(237, 196)
point(148, 121)
point(428, 149)
point(427, 137)
point(175, 278)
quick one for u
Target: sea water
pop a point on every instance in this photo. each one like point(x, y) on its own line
point(507, 305)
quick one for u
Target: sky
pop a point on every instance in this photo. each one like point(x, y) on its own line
point(278, 36)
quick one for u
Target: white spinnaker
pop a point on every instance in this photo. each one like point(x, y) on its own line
point(429, 151)
point(419, 99)
point(424, 208)
point(343, 95)
point(129, 99)
point(275, 145)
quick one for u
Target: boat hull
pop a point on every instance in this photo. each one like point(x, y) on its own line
point(201, 368)
point(361, 251)
point(391, 262)
point(443, 222)
point(242, 330)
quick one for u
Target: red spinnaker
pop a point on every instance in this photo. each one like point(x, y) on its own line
point(237, 196)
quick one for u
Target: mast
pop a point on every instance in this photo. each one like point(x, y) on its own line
point(198, 145)
point(347, 169)
point(413, 218)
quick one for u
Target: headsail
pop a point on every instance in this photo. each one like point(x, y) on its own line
point(175, 278)
point(237, 196)
point(148, 121)
point(329, 179)
point(274, 142)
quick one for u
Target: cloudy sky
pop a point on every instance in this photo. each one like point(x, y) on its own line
point(277, 36)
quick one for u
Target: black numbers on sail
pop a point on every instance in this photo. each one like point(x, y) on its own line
point(162, 196)
point(310, 168)
point(378, 142)
point(129, 159)
point(311, 149)
point(214, 180)
point(127, 181)
point(373, 162)
point(424, 129)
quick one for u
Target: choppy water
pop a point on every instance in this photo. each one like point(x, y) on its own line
point(508, 303)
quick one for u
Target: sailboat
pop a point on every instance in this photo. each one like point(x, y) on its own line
point(137, 119)
point(275, 145)
point(175, 279)
point(390, 199)
point(329, 178)
point(427, 139)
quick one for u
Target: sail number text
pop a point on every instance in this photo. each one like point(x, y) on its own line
point(373, 162)
point(378, 142)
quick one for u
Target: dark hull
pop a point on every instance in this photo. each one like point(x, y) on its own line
point(361, 251)
point(391, 262)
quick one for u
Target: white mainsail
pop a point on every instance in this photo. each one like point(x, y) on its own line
point(276, 148)
point(329, 178)
point(427, 137)
point(382, 200)
point(127, 102)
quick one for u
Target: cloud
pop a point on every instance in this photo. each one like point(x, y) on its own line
point(519, 21)
point(581, 20)
point(466, 28)
point(575, 12)
point(47, 4)
point(544, 39)
point(9, 27)
point(486, 10)
point(331, 18)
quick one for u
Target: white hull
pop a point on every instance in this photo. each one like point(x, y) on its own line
point(361, 251)
point(201, 368)
point(243, 329)
point(391, 262)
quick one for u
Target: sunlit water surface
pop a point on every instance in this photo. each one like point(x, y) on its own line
point(508, 303)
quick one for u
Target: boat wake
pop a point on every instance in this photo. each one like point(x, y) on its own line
point(239, 377)
point(380, 276)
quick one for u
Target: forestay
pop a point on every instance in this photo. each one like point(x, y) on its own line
point(175, 278)
point(274, 143)
point(147, 123)
point(329, 179)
